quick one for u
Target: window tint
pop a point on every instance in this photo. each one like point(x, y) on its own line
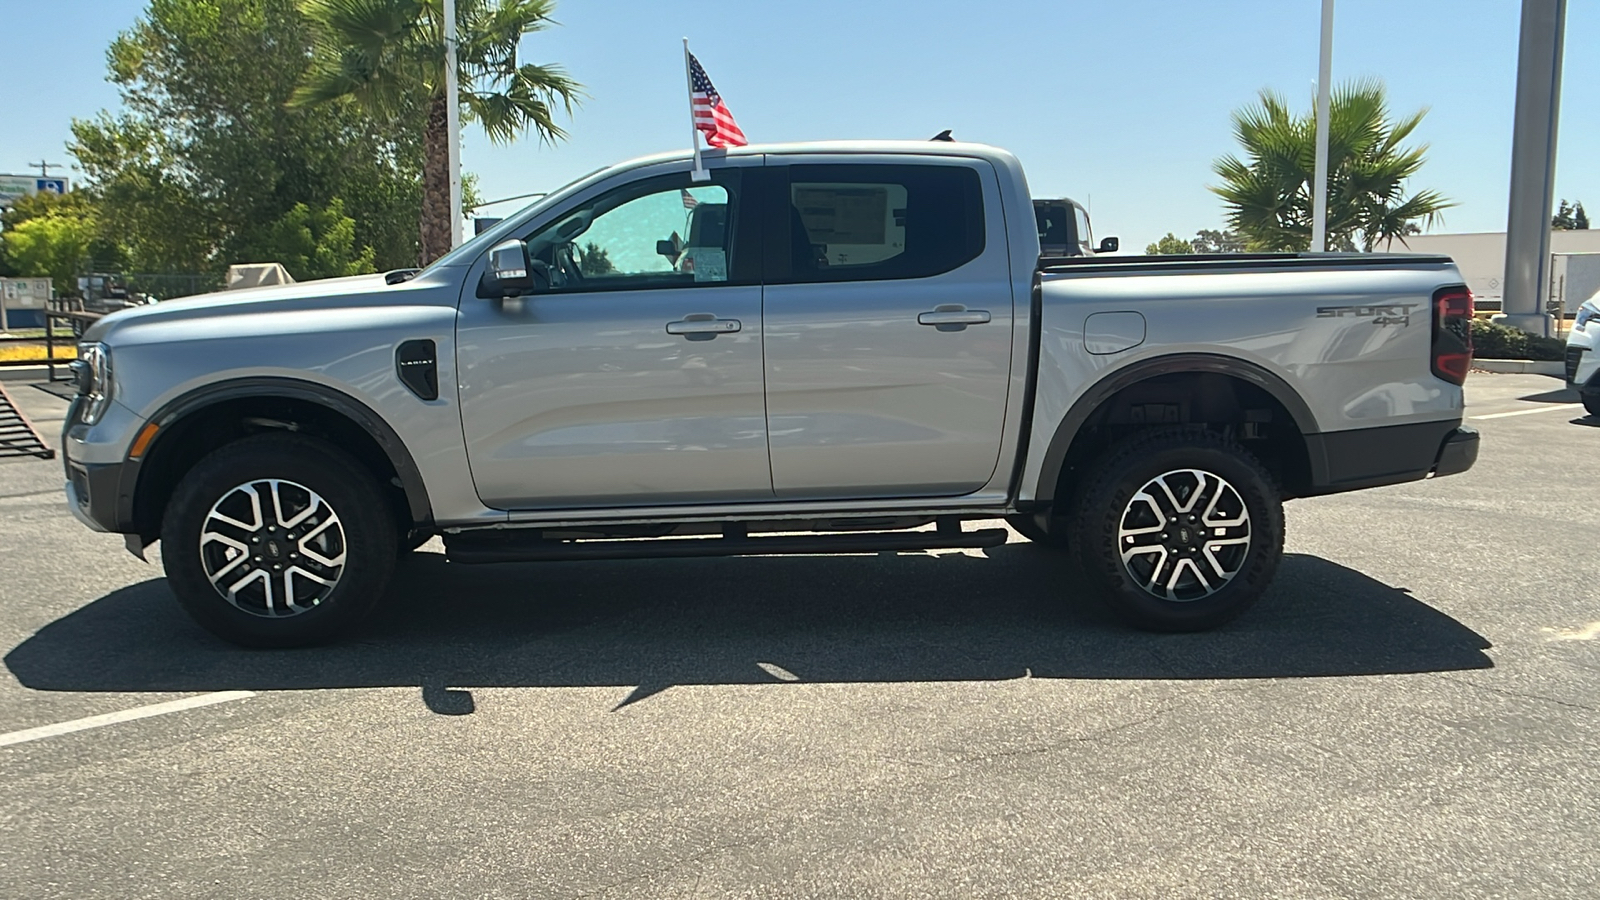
point(857, 223)
point(659, 232)
point(1085, 239)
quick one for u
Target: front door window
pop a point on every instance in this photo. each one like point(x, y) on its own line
point(659, 233)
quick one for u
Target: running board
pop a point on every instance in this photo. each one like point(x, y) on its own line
point(500, 546)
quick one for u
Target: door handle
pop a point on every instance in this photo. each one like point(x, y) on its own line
point(703, 326)
point(953, 317)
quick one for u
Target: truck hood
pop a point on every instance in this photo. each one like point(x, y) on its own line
point(356, 291)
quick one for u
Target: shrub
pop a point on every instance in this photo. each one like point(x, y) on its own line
point(1494, 341)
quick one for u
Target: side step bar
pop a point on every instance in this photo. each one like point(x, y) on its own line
point(509, 546)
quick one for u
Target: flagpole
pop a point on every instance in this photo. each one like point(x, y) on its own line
point(1319, 188)
point(699, 173)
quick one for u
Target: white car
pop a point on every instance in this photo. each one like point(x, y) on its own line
point(1583, 362)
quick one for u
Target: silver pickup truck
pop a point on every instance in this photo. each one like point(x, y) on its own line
point(820, 348)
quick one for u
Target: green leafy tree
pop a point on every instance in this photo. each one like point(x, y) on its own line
point(1169, 245)
point(205, 161)
point(53, 244)
point(595, 261)
point(1268, 194)
point(54, 234)
point(1570, 217)
point(1207, 240)
point(389, 57)
point(319, 243)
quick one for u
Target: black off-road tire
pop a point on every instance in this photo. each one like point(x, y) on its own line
point(1104, 503)
point(1028, 527)
point(369, 537)
point(1591, 404)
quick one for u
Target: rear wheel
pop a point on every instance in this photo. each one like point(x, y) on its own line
point(278, 540)
point(1591, 404)
point(1181, 529)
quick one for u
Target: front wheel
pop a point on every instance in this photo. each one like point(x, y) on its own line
point(1591, 404)
point(1182, 530)
point(278, 540)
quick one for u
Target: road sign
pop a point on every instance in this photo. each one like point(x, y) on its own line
point(15, 186)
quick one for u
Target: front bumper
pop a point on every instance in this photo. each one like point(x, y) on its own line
point(99, 474)
point(1582, 360)
point(95, 495)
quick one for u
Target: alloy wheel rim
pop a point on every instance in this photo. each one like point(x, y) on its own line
point(1184, 535)
point(272, 548)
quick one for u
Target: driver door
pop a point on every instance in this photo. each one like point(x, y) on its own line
point(635, 378)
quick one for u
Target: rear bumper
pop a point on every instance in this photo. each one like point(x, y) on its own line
point(1458, 453)
point(1373, 457)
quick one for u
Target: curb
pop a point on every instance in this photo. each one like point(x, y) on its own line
point(1552, 367)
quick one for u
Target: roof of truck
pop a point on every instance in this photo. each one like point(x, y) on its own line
point(921, 148)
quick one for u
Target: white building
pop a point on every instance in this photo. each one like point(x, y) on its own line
point(1481, 257)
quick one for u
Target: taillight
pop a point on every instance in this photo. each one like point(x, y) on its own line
point(1452, 333)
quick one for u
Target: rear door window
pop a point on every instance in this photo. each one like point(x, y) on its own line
point(877, 222)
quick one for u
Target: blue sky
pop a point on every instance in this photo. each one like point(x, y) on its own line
point(1122, 105)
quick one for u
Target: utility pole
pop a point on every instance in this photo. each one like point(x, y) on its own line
point(1533, 165)
point(1319, 194)
point(45, 167)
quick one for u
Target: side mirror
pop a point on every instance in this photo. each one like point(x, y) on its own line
point(1108, 245)
point(511, 273)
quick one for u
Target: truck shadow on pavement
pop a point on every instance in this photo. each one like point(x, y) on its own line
point(654, 624)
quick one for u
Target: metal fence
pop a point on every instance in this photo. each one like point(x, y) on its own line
point(170, 287)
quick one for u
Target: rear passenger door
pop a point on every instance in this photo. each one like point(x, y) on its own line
point(887, 327)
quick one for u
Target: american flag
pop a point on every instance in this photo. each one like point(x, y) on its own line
point(711, 115)
point(689, 202)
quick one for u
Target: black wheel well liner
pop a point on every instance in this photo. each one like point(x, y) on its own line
point(197, 422)
point(1071, 429)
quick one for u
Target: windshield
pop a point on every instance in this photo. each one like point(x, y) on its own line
point(468, 251)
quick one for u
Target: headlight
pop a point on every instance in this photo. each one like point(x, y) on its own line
point(92, 372)
point(1586, 313)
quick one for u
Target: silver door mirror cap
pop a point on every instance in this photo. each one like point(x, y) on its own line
point(511, 272)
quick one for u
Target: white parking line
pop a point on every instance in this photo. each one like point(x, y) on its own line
point(1529, 412)
point(127, 715)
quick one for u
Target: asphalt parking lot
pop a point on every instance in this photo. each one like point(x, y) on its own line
point(1411, 711)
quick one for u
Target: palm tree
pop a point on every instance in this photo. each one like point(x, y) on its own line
point(1269, 194)
point(389, 56)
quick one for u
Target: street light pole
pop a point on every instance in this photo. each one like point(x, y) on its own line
point(1533, 165)
point(1319, 197)
point(452, 120)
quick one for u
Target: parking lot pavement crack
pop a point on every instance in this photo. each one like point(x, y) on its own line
point(1517, 695)
point(1182, 699)
point(26, 494)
